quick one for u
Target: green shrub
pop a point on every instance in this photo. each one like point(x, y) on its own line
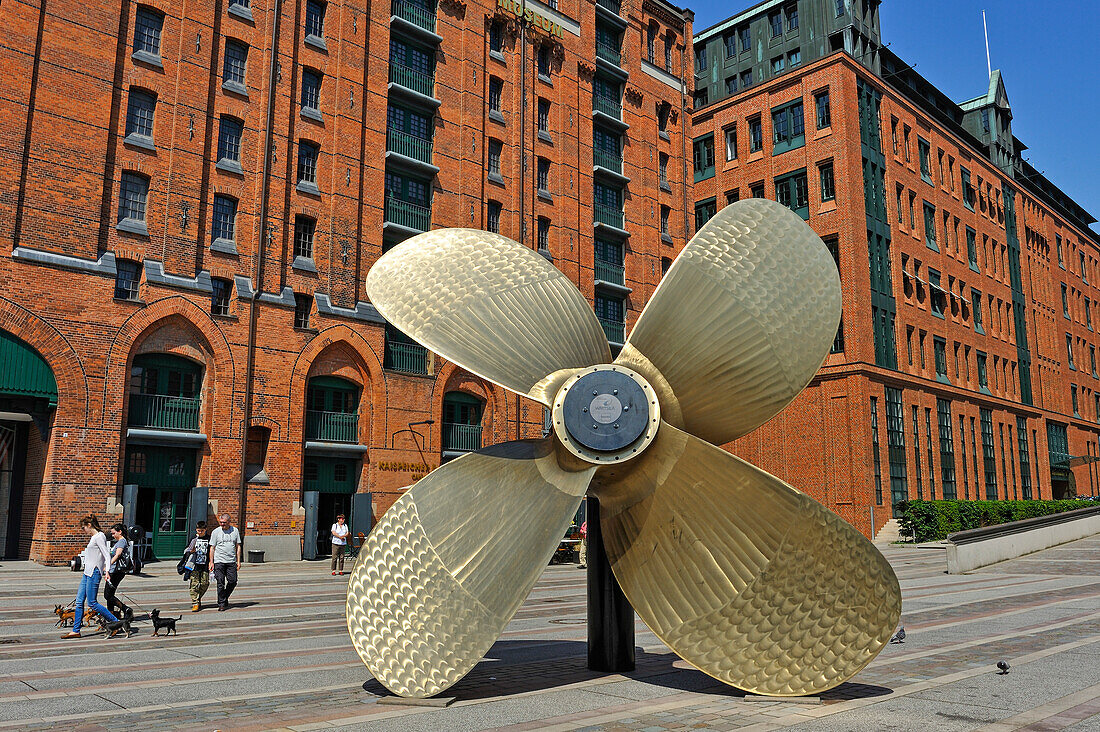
point(932, 520)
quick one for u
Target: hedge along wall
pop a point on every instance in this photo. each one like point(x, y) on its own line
point(931, 520)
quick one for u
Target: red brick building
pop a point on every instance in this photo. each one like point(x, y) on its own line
point(190, 206)
point(965, 363)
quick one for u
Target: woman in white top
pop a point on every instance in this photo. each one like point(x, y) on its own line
point(97, 558)
point(339, 541)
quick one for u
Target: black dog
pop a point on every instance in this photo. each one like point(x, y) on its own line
point(169, 624)
point(121, 625)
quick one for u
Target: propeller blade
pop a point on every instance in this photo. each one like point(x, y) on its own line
point(490, 305)
point(451, 561)
point(744, 577)
point(740, 323)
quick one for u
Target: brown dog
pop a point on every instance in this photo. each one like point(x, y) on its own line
point(66, 616)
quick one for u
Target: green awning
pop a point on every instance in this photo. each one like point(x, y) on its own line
point(23, 373)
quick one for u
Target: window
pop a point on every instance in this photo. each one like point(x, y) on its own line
point(662, 171)
point(788, 128)
point(968, 190)
point(1084, 272)
point(833, 245)
point(495, 148)
point(983, 373)
point(147, 28)
point(220, 295)
point(669, 40)
point(242, 5)
point(1025, 462)
point(899, 192)
point(839, 8)
point(905, 133)
point(1073, 400)
point(495, 88)
point(544, 174)
point(132, 196)
point(947, 449)
point(791, 191)
point(315, 20)
point(1069, 352)
point(746, 39)
point(492, 221)
point(544, 116)
point(1092, 364)
point(930, 226)
point(303, 304)
point(304, 228)
point(976, 302)
point(731, 85)
point(703, 157)
point(756, 190)
point(544, 234)
point(307, 162)
point(651, 43)
point(704, 211)
point(939, 350)
point(665, 212)
point(399, 119)
point(405, 189)
point(733, 196)
point(989, 455)
point(876, 458)
point(824, 115)
point(544, 60)
point(229, 139)
point(731, 142)
point(1058, 246)
point(411, 58)
point(828, 186)
point(311, 89)
point(792, 18)
point(139, 115)
point(127, 279)
point(663, 112)
point(496, 37)
point(794, 58)
point(666, 264)
point(925, 152)
point(936, 293)
point(1088, 314)
point(233, 70)
point(611, 314)
point(778, 64)
point(700, 58)
point(776, 21)
point(225, 219)
point(746, 79)
point(971, 249)
point(894, 133)
point(1065, 302)
point(756, 135)
point(699, 99)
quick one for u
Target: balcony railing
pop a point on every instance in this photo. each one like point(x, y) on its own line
point(416, 148)
point(461, 437)
point(164, 412)
point(605, 159)
point(609, 216)
point(608, 105)
point(409, 215)
point(408, 358)
point(610, 272)
point(613, 5)
point(415, 13)
point(332, 426)
point(613, 330)
point(410, 78)
point(608, 52)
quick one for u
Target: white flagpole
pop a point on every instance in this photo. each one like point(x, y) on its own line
point(988, 66)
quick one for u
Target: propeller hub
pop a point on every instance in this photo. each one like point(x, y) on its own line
point(606, 414)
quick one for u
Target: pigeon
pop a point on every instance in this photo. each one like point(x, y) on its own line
point(899, 637)
point(1003, 665)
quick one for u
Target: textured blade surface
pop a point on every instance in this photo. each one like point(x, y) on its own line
point(743, 576)
point(448, 565)
point(743, 319)
point(490, 305)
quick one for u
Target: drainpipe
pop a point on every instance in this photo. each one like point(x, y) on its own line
point(522, 155)
point(683, 130)
point(264, 239)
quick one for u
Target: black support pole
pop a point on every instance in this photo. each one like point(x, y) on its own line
point(610, 616)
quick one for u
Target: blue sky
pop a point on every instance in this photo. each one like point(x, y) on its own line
point(1049, 59)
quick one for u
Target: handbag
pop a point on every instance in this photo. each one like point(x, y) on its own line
point(125, 562)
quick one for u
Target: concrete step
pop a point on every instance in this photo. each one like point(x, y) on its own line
point(890, 532)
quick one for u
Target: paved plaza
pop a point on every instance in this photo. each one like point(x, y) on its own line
point(281, 659)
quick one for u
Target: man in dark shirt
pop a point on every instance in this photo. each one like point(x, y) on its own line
point(200, 574)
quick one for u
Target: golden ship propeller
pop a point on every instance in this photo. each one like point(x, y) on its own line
point(740, 574)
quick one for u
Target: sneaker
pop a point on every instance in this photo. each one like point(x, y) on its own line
point(71, 634)
point(222, 608)
point(333, 574)
point(195, 608)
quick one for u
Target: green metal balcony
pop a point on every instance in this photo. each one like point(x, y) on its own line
point(163, 412)
point(610, 272)
point(461, 437)
point(409, 215)
point(410, 78)
point(613, 330)
point(408, 358)
point(609, 160)
point(613, 5)
point(608, 53)
point(332, 426)
point(416, 148)
point(415, 13)
point(608, 216)
point(607, 105)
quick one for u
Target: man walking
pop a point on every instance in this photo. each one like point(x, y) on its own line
point(199, 548)
point(339, 541)
point(225, 559)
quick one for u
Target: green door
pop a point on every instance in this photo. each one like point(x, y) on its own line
point(329, 475)
point(165, 477)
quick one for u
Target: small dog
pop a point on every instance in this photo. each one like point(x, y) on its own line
point(121, 625)
point(169, 624)
point(67, 615)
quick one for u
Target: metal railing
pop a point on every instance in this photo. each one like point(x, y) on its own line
point(613, 5)
point(461, 437)
point(613, 330)
point(415, 13)
point(405, 144)
point(610, 272)
point(609, 216)
point(608, 52)
point(608, 105)
point(165, 412)
point(409, 358)
point(410, 78)
point(609, 160)
point(332, 426)
point(411, 215)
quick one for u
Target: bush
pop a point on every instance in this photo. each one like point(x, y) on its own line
point(932, 520)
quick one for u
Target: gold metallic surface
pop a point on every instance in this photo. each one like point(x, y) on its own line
point(491, 305)
point(742, 320)
point(744, 577)
point(448, 565)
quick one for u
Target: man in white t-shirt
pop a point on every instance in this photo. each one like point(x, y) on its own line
point(225, 558)
point(339, 542)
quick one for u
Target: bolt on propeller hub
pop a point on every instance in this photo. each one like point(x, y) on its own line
point(606, 414)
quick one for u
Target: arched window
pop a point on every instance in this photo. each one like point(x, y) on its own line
point(461, 423)
point(332, 410)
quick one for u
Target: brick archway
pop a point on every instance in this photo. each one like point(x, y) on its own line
point(453, 378)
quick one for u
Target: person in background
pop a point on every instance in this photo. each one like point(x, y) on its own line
point(584, 545)
point(97, 557)
point(225, 559)
point(199, 549)
point(121, 564)
point(339, 541)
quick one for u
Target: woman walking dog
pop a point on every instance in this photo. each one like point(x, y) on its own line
point(121, 564)
point(97, 558)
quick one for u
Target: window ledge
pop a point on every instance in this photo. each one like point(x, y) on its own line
point(985, 390)
point(975, 268)
point(312, 113)
point(545, 79)
point(663, 135)
point(316, 42)
point(496, 178)
point(242, 12)
point(305, 264)
point(129, 300)
point(147, 58)
point(224, 246)
point(308, 188)
point(665, 186)
point(498, 56)
point(927, 179)
point(235, 87)
point(133, 226)
point(932, 246)
point(497, 116)
point(942, 379)
point(141, 141)
point(226, 165)
point(545, 137)
point(546, 195)
point(666, 238)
